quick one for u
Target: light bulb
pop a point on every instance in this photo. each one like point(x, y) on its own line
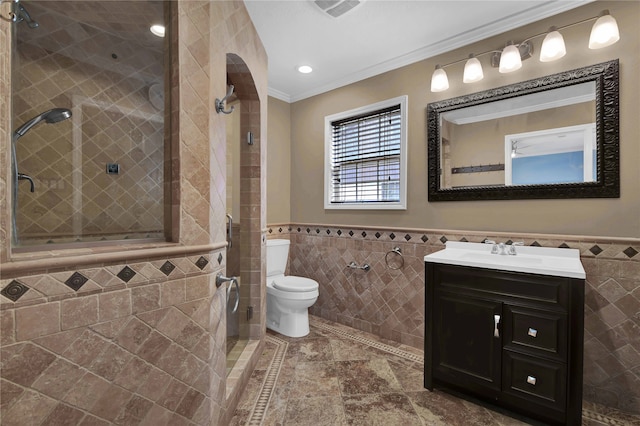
point(157, 30)
point(439, 80)
point(552, 46)
point(510, 59)
point(472, 70)
point(604, 32)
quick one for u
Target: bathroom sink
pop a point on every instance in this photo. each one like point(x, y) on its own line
point(501, 259)
point(562, 262)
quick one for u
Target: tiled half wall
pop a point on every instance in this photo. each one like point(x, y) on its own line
point(141, 343)
point(390, 302)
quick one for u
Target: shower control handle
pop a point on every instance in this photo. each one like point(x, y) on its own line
point(220, 279)
point(22, 176)
point(230, 231)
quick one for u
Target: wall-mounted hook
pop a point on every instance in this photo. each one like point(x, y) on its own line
point(220, 102)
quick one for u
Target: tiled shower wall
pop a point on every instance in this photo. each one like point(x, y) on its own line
point(106, 81)
point(390, 302)
point(135, 344)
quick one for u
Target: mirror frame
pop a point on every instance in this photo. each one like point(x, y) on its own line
point(606, 77)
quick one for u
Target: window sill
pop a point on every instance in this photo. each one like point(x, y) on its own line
point(365, 206)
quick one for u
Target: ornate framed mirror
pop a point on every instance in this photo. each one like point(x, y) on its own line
point(551, 137)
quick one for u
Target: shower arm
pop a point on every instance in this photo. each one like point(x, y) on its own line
point(22, 176)
point(220, 103)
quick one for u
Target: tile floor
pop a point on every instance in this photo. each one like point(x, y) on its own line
point(340, 376)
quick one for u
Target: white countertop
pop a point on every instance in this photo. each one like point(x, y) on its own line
point(562, 262)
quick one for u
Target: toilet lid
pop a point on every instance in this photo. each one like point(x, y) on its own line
point(293, 283)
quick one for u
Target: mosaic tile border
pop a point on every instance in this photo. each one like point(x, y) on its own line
point(53, 287)
point(259, 410)
point(273, 372)
point(589, 246)
point(360, 339)
point(592, 415)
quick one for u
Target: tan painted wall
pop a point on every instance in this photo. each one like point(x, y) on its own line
point(279, 162)
point(600, 217)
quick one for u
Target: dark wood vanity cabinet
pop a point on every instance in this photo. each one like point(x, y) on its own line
point(513, 339)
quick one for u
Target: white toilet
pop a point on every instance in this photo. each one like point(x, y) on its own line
point(288, 298)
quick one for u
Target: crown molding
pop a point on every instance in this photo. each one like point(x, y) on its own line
point(531, 15)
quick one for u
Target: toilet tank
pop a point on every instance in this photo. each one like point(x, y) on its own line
point(277, 256)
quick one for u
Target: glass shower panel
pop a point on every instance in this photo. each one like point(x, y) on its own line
point(237, 336)
point(99, 175)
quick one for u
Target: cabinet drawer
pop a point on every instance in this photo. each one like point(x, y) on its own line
point(545, 291)
point(534, 380)
point(537, 331)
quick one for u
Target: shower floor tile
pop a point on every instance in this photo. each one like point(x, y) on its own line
point(337, 375)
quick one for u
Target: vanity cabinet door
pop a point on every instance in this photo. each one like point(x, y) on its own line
point(467, 341)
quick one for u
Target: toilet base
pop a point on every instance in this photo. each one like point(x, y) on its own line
point(290, 325)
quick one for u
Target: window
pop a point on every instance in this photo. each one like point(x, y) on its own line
point(366, 157)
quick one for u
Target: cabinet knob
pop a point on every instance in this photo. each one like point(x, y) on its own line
point(531, 380)
point(532, 332)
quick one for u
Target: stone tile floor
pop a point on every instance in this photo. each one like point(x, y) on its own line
point(340, 376)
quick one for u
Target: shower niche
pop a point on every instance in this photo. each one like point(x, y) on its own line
point(106, 71)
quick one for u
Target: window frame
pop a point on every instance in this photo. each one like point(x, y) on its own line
point(402, 101)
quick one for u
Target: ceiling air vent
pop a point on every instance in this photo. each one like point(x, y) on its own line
point(337, 8)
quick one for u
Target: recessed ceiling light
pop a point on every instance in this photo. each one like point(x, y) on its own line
point(305, 69)
point(157, 30)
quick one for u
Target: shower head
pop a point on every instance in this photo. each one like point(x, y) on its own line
point(54, 115)
point(21, 14)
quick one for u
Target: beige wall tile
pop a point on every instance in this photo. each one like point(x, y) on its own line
point(36, 321)
point(78, 312)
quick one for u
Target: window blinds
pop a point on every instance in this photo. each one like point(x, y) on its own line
point(365, 157)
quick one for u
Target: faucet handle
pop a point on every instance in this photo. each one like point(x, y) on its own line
point(494, 249)
point(512, 248)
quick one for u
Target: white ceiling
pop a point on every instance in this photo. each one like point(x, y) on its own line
point(376, 36)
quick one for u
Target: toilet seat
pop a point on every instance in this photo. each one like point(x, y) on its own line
point(295, 284)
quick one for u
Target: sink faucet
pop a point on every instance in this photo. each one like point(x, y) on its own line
point(494, 249)
point(502, 248)
point(512, 249)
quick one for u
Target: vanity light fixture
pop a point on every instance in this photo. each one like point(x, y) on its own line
point(510, 59)
point(472, 70)
point(157, 30)
point(439, 80)
point(552, 46)
point(603, 33)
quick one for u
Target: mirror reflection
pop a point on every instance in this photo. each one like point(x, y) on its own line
point(540, 138)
